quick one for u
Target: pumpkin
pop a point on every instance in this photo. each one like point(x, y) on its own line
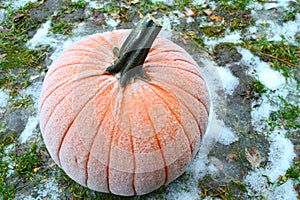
point(125, 137)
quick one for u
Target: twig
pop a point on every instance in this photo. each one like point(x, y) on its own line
point(279, 59)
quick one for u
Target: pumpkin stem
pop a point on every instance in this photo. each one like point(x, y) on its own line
point(133, 53)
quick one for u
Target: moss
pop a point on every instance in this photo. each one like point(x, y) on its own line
point(213, 31)
point(62, 28)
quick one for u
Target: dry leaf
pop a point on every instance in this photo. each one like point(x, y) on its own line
point(115, 16)
point(3, 55)
point(208, 11)
point(18, 17)
point(216, 18)
point(133, 2)
point(253, 159)
point(35, 170)
point(190, 12)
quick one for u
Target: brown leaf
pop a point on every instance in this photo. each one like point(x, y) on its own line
point(3, 55)
point(208, 11)
point(253, 159)
point(115, 16)
point(190, 12)
point(18, 17)
point(216, 18)
point(133, 2)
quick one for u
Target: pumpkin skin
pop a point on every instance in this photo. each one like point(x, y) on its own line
point(127, 141)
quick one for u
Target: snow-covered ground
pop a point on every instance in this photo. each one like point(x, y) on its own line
point(281, 152)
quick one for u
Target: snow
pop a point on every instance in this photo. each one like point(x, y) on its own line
point(30, 128)
point(275, 32)
point(168, 21)
point(229, 81)
point(7, 159)
point(3, 98)
point(227, 136)
point(233, 37)
point(284, 192)
point(2, 14)
point(167, 2)
point(270, 78)
point(280, 159)
point(46, 190)
point(112, 22)
point(40, 36)
point(20, 3)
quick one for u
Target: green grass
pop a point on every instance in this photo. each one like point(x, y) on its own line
point(212, 187)
point(282, 55)
point(22, 161)
point(62, 28)
point(18, 59)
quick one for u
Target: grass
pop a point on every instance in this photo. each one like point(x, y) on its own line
point(18, 60)
point(22, 162)
point(282, 55)
point(214, 188)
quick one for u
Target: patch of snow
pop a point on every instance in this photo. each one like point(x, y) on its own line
point(229, 81)
point(172, 19)
point(97, 4)
point(41, 36)
point(11, 163)
point(167, 2)
point(227, 136)
point(49, 189)
point(284, 3)
point(21, 3)
point(268, 6)
point(112, 22)
point(2, 14)
point(199, 2)
point(275, 31)
point(34, 91)
point(30, 128)
point(189, 20)
point(233, 37)
point(280, 159)
point(285, 192)
point(3, 99)
point(57, 42)
point(261, 113)
point(215, 167)
point(270, 78)
point(188, 189)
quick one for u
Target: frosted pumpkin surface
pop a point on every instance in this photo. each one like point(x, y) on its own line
point(128, 140)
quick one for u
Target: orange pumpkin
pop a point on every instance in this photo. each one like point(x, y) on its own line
point(125, 140)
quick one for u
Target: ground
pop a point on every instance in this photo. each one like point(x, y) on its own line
point(248, 52)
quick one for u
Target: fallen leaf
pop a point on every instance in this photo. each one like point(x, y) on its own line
point(18, 17)
point(51, 165)
point(216, 18)
point(3, 55)
point(35, 170)
point(208, 11)
point(253, 159)
point(190, 12)
point(133, 2)
point(115, 16)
